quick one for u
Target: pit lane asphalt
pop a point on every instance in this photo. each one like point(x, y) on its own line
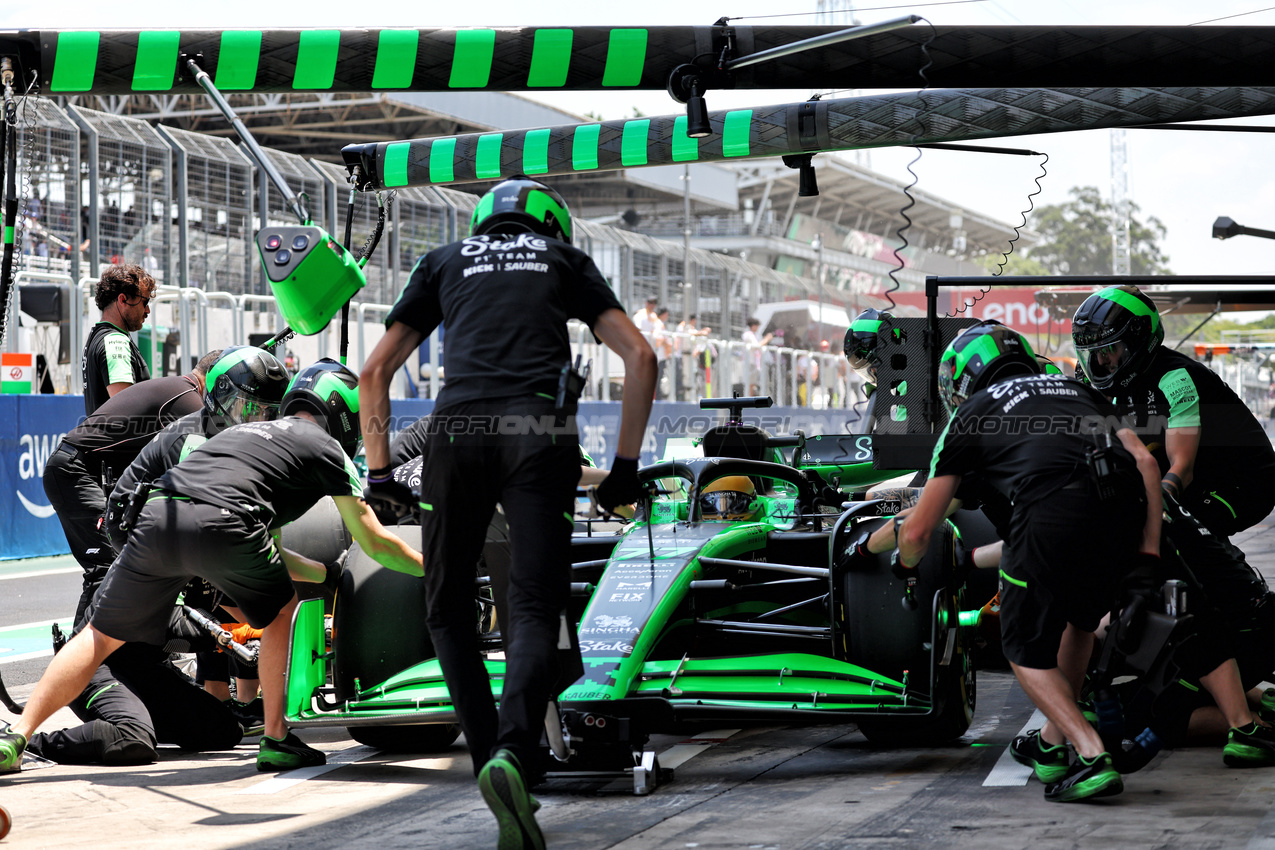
point(813, 788)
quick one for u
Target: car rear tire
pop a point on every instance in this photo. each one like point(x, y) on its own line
point(428, 738)
point(378, 622)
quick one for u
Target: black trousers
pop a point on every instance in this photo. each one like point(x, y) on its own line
point(135, 701)
point(533, 478)
point(76, 494)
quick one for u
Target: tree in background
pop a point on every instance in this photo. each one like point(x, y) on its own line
point(1076, 239)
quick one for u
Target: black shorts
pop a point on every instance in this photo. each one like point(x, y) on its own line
point(174, 540)
point(1063, 563)
point(1227, 509)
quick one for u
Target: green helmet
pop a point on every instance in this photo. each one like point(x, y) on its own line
point(860, 345)
point(522, 205)
point(982, 355)
point(1116, 331)
point(246, 384)
point(330, 391)
point(1047, 366)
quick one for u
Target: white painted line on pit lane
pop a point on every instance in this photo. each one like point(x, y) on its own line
point(1008, 772)
point(26, 656)
point(294, 777)
point(39, 573)
point(679, 754)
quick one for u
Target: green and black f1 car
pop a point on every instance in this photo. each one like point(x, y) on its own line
point(697, 610)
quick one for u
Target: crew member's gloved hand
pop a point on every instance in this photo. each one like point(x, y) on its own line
point(857, 548)
point(389, 499)
point(242, 632)
point(964, 560)
point(620, 487)
point(332, 580)
point(901, 570)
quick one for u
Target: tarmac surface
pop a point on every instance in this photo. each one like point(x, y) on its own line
point(813, 788)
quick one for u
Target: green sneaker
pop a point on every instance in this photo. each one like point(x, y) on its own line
point(12, 745)
point(1086, 778)
point(506, 795)
point(1250, 746)
point(287, 754)
point(1048, 761)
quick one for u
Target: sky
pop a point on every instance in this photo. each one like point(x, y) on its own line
point(1184, 179)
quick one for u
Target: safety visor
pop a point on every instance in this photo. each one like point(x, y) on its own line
point(1101, 361)
point(250, 408)
point(725, 504)
point(864, 364)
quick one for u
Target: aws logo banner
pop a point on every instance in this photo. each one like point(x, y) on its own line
point(30, 429)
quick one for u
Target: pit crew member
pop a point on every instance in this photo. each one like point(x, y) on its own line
point(505, 294)
point(111, 360)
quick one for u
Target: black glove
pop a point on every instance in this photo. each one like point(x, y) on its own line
point(857, 548)
point(332, 581)
point(391, 500)
point(620, 487)
point(964, 559)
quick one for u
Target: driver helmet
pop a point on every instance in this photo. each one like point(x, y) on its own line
point(330, 391)
point(522, 205)
point(860, 345)
point(728, 498)
point(982, 355)
point(1116, 331)
point(246, 384)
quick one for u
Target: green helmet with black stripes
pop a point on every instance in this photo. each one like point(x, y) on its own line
point(1116, 331)
point(329, 391)
point(982, 355)
point(246, 384)
point(522, 205)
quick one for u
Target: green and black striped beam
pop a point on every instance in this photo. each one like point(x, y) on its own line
point(828, 125)
point(124, 62)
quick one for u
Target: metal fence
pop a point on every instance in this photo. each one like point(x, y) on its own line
point(47, 234)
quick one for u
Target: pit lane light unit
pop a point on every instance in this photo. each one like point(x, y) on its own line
point(1226, 227)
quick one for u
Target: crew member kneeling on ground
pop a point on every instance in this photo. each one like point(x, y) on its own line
point(211, 516)
point(1055, 584)
point(505, 295)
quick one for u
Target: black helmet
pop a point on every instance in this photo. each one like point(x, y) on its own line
point(1118, 323)
point(1047, 366)
point(982, 355)
point(521, 205)
point(860, 346)
point(331, 392)
point(246, 384)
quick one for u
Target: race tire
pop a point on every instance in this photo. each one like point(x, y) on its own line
point(378, 623)
point(426, 738)
point(319, 534)
point(884, 637)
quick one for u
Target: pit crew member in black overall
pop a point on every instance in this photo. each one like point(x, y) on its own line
point(111, 360)
point(245, 385)
point(102, 447)
point(211, 516)
point(1215, 458)
point(137, 699)
point(1055, 586)
point(1216, 464)
point(505, 295)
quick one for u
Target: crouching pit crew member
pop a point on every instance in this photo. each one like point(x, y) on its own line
point(1055, 584)
point(518, 271)
point(211, 516)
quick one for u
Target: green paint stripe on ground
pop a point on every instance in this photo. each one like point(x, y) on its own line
point(43, 631)
point(550, 58)
point(735, 132)
point(633, 142)
point(317, 52)
point(442, 153)
point(237, 60)
point(685, 149)
point(626, 56)
point(584, 146)
point(535, 152)
point(487, 157)
point(395, 170)
point(156, 65)
point(395, 59)
point(75, 61)
point(471, 60)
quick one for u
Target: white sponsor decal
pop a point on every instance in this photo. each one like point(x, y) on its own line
point(606, 646)
point(606, 621)
point(638, 585)
point(40, 511)
point(627, 597)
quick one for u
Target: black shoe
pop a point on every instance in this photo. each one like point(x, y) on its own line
point(1086, 778)
point(289, 754)
point(251, 715)
point(1048, 761)
point(506, 795)
point(1250, 746)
